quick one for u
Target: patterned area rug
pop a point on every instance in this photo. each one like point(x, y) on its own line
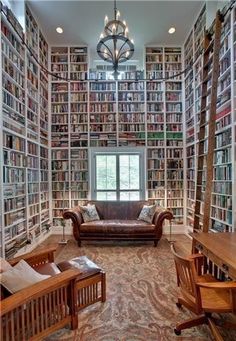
point(141, 296)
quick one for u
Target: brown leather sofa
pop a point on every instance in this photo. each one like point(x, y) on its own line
point(118, 221)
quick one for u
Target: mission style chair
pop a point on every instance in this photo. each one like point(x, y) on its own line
point(202, 294)
point(39, 310)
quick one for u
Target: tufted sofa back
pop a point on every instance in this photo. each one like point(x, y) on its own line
point(119, 209)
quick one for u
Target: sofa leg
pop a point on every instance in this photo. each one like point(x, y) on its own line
point(155, 243)
point(79, 243)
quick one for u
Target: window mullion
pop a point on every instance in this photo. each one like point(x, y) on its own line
point(118, 177)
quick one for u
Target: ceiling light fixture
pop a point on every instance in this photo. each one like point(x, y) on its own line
point(59, 30)
point(171, 30)
point(114, 45)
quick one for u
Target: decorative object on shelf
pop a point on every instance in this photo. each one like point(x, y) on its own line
point(114, 45)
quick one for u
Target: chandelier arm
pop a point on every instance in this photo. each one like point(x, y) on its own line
point(111, 54)
point(123, 45)
point(124, 52)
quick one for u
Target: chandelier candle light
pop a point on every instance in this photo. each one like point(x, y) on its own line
point(114, 45)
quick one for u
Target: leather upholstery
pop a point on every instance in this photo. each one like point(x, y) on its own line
point(119, 209)
point(118, 221)
point(87, 267)
point(117, 226)
point(47, 269)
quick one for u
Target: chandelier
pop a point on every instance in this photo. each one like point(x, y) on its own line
point(114, 45)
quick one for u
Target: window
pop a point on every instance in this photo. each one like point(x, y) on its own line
point(117, 175)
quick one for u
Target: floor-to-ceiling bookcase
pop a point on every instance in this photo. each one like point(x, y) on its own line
point(69, 129)
point(192, 93)
point(223, 190)
point(24, 138)
point(48, 125)
point(165, 129)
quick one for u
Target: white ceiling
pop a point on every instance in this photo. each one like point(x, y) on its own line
point(83, 21)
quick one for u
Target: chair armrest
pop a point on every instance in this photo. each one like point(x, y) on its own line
point(160, 215)
point(196, 256)
point(218, 285)
point(39, 289)
point(77, 220)
point(44, 255)
point(223, 286)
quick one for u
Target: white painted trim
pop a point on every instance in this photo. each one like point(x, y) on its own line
point(118, 151)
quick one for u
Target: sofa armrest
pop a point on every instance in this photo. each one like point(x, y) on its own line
point(77, 219)
point(160, 215)
point(41, 256)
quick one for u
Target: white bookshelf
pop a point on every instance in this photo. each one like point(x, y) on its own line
point(49, 125)
point(69, 129)
point(20, 140)
point(223, 192)
point(165, 129)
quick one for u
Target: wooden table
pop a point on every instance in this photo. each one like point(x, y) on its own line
point(219, 248)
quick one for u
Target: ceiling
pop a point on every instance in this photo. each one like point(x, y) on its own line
point(83, 21)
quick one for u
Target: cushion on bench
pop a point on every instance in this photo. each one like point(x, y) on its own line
point(47, 269)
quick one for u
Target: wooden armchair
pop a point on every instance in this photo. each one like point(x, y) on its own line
point(39, 310)
point(202, 294)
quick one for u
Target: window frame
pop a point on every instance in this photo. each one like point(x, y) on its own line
point(93, 152)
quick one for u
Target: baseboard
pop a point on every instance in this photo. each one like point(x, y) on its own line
point(59, 230)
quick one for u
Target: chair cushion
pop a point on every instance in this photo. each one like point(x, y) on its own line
point(117, 226)
point(4, 265)
point(86, 266)
point(47, 269)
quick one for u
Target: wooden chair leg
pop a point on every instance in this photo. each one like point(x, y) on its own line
point(193, 322)
point(214, 330)
point(74, 322)
point(103, 286)
point(73, 305)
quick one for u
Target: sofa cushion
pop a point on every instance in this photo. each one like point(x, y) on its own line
point(47, 269)
point(147, 213)
point(117, 226)
point(89, 213)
